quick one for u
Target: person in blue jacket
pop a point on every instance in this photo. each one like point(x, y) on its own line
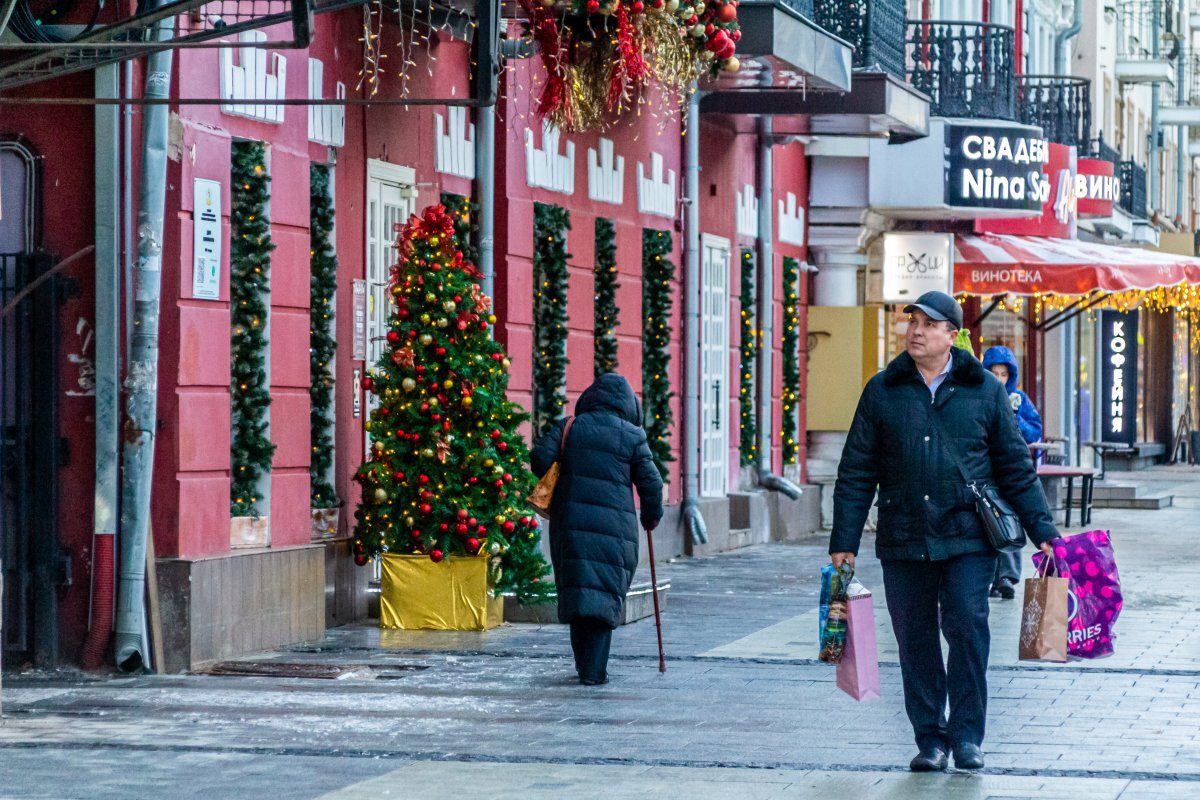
point(1001, 362)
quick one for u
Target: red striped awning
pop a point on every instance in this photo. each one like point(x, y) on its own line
point(990, 264)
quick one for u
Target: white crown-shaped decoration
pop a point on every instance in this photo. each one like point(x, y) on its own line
point(747, 212)
point(545, 168)
point(455, 144)
point(326, 124)
point(791, 221)
point(606, 174)
point(249, 79)
point(656, 195)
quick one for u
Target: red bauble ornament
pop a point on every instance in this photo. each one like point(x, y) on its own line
point(368, 384)
point(441, 351)
point(639, 7)
point(435, 556)
point(692, 20)
point(426, 508)
point(499, 484)
point(461, 529)
point(420, 369)
point(507, 478)
point(472, 522)
point(436, 417)
point(709, 28)
point(458, 297)
point(480, 529)
point(472, 480)
point(424, 408)
point(593, 6)
point(472, 546)
point(444, 527)
point(483, 325)
point(736, 36)
point(414, 533)
point(393, 337)
point(404, 313)
point(463, 513)
point(398, 476)
point(422, 479)
point(502, 446)
point(495, 433)
point(360, 559)
point(728, 13)
point(412, 334)
point(384, 411)
point(509, 527)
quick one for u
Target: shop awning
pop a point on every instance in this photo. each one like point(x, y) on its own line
point(992, 264)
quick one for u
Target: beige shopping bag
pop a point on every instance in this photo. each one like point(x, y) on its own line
point(1044, 619)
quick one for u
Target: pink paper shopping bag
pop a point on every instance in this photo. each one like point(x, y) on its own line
point(858, 671)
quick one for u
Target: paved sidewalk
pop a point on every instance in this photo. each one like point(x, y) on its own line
point(744, 710)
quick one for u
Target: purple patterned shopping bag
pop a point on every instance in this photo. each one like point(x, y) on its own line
point(1093, 592)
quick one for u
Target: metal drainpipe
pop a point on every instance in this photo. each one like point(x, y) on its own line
point(1181, 132)
point(1062, 37)
point(108, 365)
point(486, 78)
point(141, 383)
point(766, 310)
point(692, 517)
point(1155, 94)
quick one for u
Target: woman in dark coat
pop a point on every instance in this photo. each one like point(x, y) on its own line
point(593, 524)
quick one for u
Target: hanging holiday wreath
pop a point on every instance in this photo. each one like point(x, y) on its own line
point(599, 55)
point(791, 358)
point(657, 274)
point(322, 347)
point(605, 322)
point(748, 443)
point(550, 226)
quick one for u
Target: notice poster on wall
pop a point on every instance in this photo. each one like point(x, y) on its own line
point(206, 239)
point(916, 263)
point(1118, 376)
point(360, 321)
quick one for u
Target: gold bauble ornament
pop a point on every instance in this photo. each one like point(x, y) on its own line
point(443, 322)
point(731, 64)
point(426, 319)
point(431, 298)
point(381, 496)
point(447, 384)
point(409, 384)
point(697, 31)
point(495, 548)
point(427, 453)
point(491, 319)
point(409, 521)
point(379, 447)
point(468, 402)
point(449, 306)
point(506, 363)
point(487, 462)
point(434, 240)
point(672, 6)
point(426, 339)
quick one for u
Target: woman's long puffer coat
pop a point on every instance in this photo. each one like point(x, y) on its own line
point(593, 524)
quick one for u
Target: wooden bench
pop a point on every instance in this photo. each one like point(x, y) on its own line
point(1087, 477)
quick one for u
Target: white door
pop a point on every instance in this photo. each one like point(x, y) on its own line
point(714, 367)
point(391, 198)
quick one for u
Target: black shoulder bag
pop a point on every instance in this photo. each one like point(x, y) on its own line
point(1000, 523)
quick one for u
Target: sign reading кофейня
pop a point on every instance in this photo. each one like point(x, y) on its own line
point(1118, 376)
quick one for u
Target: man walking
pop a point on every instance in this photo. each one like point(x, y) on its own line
point(937, 562)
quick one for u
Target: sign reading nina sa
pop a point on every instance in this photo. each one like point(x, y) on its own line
point(996, 167)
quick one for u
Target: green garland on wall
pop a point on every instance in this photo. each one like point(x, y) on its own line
point(657, 273)
point(605, 324)
point(249, 282)
point(550, 226)
point(791, 358)
point(748, 444)
point(466, 229)
point(323, 268)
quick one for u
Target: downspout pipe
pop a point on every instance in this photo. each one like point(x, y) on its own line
point(487, 76)
point(1062, 37)
point(692, 518)
point(766, 310)
point(141, 383)
point(1181, 133)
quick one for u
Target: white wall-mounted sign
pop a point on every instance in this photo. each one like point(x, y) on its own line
point(250, 80)
point(606, 174)
point(326, 124)
point(747, 211)
point(915, 263)
point(791, 221)
point(656, 193)
point(206, 239)
point(544, 167)
point(360, 321)
point(455, 154)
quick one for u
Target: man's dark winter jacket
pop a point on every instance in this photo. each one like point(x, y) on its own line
point(926, 510)
point(593, 525)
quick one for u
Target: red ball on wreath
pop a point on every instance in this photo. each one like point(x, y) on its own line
point(393, 337)
point(472, 546)
point(508, 527)
point(472, 522)
point(368, 384)
point(360, 559)
point(426, 508)
point(398, 476)
point(444, 527)
point(499, 484)
point(480, 529)
point(508, 478)
point(502, 446)
point(436, 555)
point(463, 513)
point(422, 479)
point(461, 529)
point(639, 7)
point(414, 533)
point(728, 12)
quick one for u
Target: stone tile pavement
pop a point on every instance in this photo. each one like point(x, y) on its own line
point(742, 711)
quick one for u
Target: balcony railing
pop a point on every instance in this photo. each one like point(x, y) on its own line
point(875, 28)
point(966, 68)
point(803, 7)
point(1104, 151)
point(1133, 188)
point(1060, 106)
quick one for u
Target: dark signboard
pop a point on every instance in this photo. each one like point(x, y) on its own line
point(1118, 376)
point(996, 167)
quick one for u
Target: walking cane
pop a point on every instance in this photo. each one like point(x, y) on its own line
point(662, 659)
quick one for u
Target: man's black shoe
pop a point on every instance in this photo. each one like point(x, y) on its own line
point(930, 759)
point(594, 681)
point(1006, 590)
point(968, 756)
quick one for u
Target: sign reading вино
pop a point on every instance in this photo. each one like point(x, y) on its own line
point(1118, 376)
point(996, 167)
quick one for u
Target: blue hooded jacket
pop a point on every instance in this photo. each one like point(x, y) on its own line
point(1028, 418)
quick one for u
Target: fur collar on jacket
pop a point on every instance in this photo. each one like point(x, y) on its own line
point(966, 369)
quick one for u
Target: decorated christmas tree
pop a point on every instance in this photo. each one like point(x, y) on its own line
point(446, 475)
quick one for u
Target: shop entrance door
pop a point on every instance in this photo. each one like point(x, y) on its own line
point(391, 198)
point(714, 367)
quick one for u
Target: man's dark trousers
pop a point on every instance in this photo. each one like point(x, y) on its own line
point(960, 585)
point(590, 640)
